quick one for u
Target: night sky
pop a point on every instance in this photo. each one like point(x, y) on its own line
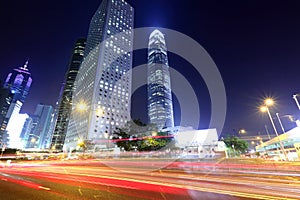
point(255, 45)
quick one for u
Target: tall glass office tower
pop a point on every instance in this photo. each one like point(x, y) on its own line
point(160, 106)
point(101, 100)
point(38, 126)
point(65, 99)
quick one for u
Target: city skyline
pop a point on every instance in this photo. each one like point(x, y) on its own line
point(255, 53)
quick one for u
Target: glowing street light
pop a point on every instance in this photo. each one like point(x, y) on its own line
point(81, 106)
point(99, 112)
point(242, 131)
point(265, 108)
point(154, 133)
point(269, 102)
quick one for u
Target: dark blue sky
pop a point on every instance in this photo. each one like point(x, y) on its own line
point(255, 45)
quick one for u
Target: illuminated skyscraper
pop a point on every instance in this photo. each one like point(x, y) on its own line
point(19, 82)
point(38, 135)
point(5, 100)
point(160, 106)
point(65, 100)
point(103, 86)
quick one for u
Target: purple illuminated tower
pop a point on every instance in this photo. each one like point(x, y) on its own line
point(19, 82)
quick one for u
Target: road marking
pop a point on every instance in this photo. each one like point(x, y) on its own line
point(162, 194)
point(219, 191)
point(79, 190)
point(44, 188)
point(97, 195)
point(197, 188)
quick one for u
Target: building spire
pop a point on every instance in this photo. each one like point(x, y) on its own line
point(25, 65)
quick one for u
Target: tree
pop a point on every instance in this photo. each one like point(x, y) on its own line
point(236, 144)
point(124, 140)
point(136, 135)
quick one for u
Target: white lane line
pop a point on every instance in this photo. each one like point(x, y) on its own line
point(44, 188)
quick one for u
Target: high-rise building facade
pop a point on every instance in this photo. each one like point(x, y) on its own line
point(103, 84)
point(44, 112)
point(19, 82)
point(5, 101)
point(65, 99)
point(26, 131)
point(36, 131)
point(160, 106)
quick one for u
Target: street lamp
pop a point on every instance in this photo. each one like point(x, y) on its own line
point(99, 112)
point(269, 102)
point(296, 100)
point(267, 132)
point(277, 114)
point(81, 106)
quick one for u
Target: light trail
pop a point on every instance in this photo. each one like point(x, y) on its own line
point(236, 180)
point(19, 181)
point(178, 186)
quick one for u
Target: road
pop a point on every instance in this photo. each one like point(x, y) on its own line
point(149, 179)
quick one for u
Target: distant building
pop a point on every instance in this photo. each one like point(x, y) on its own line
point(103, 86)
point(15, 124)
point(29, 136)
point(196, 138)
point(18, 82)
point(65, 100)
point(290, 141)
point(26, 131)
point(160, 106)
point(36, 132)
point(176, 129)
point(5, 100)
point(199, 143)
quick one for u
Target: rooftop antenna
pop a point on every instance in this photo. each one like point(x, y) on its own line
point(25, 65)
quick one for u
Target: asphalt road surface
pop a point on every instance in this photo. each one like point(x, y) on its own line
point(148, 179)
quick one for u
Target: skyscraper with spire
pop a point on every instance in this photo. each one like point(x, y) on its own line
point(19, 82)
point(160, 106)
point(101, 100)
point(65, 100)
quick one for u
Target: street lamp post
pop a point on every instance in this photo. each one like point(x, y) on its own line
point(269, 102)
point(277, 114)
point(267, 132)
point(233, 150)
point(296, 100)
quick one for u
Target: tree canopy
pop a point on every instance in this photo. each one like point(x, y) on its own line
point(136, 135)
point(237, 144)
